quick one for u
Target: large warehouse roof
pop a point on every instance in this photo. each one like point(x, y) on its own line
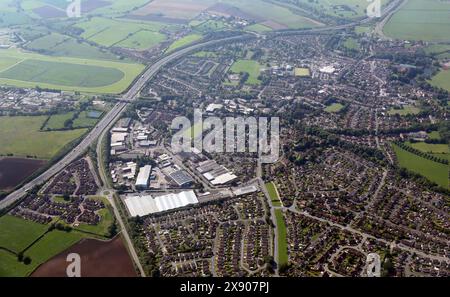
point(144, 205)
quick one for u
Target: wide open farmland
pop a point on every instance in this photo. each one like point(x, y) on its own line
point(271, 14)
point(427, 20)
point(108, 32)
point(20, 136)
point(70, 74)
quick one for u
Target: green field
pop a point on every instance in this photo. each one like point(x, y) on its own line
point(182, 42)
point(69, 74)
point(434, 171)
point(406, 110)
point(273, 193)
point(127, 33)
point(50, 245)
point(430, 148)
point(57, 121)
point(442, 80)
point(142, 40)
point(21, 136)
point(84, 121)
point(253, 68)
point(10, 267)
point(258, 28)
point(64, 46)
point(302, 72)
point(335, 107)
point(282, 240)
point(351, 44)
point(17, 234)
point(427, 20)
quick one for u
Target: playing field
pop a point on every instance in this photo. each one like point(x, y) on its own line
point(186, 40)
point(442, 80)
point(63, 73)
point(408, 109)
point(302, 72)
point(434, 171)
point(282, 240)
point(335, 107)
point(21, 136)
point(17, 234)
point(253, 68)
point(427, 20)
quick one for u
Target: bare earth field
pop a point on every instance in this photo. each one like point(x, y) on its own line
point(98, 259)
point(15, 170)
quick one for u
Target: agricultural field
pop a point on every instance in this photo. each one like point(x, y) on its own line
point(21, 136)
point(69, 74)
point(186, 40)
point(435, 172)
point(253, 68)
point(442, 80)
point(258, 28)
point(273, 193)
point(335, 107)
point(17, 234)
point(57, 121)
point(412, 21)
point(270, 14)
point(348, 9)
point(122, 33)
point(282, 240)
point(56, 44)
point(406, 110)
point(84, 120)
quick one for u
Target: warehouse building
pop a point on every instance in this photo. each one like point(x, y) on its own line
point(143, 178)
point(145, 205)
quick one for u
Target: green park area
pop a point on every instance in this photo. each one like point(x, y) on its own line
point(434, 171)
point(282, 240)
point(405, 110)
point(253, 68)
point(333, 108)
point(185, 41)
point(28, 70)
point(21, 136)
point(273, 193)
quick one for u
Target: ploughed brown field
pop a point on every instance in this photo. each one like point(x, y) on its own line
point(98, 259)
point(14, 170)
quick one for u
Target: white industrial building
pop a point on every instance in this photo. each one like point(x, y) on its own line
point(143, 177)
point(144, 205)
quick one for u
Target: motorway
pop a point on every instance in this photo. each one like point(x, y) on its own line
point(133, 93)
